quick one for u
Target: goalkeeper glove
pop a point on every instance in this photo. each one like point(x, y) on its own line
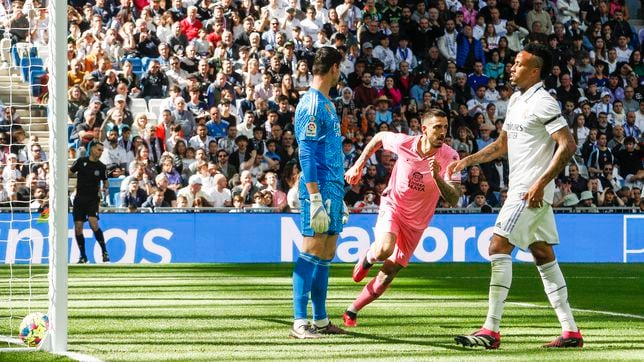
point(319, 218)
point(345, 213)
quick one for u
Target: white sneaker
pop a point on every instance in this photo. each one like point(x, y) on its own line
point(304, 332)
point(4, 65)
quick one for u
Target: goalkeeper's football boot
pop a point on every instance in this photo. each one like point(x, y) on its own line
point(361, 269)
point(329, 329)
point(304, 332)
point(350, 319)
point(567, 340)
point(482, 338)
point(82, 260)
point(106, 257)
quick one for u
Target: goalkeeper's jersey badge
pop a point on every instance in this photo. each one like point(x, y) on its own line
point(311, 128)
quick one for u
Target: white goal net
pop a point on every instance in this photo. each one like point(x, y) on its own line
point(31, 188)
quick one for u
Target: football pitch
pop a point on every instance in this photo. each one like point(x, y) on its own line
point(209, 312)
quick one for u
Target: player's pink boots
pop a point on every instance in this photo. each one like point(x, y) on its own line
point(567, 340)
point(492, 340)
point(361, 269)
point(482, 338)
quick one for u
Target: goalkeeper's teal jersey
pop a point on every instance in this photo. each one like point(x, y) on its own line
point(316, 120)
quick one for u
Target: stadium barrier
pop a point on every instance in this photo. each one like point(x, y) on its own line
point(268, 237)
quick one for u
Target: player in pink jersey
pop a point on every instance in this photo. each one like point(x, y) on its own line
point(407, 204)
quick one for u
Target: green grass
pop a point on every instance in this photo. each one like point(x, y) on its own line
point(243, 312)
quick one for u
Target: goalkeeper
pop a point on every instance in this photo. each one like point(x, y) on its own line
point(317, 128)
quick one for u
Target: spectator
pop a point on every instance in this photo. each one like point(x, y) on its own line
point(153, 82)
point(133, 197)
point(477, 201)
point(578, 184)
point(600, 157)
point(468, 49)
point(193, 194)
point(247, 188)
point(586, 202)
point(169, 195)
point(156, 200)
point(367, 204)
point(220, 195)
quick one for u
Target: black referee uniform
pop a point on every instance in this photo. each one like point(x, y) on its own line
point(89, 175)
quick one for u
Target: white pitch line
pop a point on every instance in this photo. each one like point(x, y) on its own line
point(79, 357)
point(613, 314)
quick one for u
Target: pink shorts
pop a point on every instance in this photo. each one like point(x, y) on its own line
point(406, 238)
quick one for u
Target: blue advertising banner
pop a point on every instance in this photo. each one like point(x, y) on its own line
point(263, 238)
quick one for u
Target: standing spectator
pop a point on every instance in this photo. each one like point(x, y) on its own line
point(365, 94)
point(153, 82)
point(600, 157)
point(468, 49)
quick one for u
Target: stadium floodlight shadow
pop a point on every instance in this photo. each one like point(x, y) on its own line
point(350, 333)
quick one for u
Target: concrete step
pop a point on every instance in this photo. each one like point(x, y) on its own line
point(35, 110)
point(43, 136)
point(32, 120)
point(14, 83)
point(31, 127)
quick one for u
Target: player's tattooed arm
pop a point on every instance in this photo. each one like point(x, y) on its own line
point(450, 191)
point(566, 148)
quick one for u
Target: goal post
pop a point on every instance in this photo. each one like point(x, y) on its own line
point(58, 182)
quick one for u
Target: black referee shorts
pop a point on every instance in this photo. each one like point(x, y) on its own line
point(84, 208)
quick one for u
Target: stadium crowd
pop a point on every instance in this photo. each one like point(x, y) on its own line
point(220, 81)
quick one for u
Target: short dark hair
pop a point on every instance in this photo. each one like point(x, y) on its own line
point(324, 59)
point(433, 112)
point(543, 57)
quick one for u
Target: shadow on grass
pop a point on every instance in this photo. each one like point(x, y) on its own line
point(378, 338)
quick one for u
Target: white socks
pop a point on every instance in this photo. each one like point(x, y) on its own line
point(500, 283)
point(557, 292)
point(321, 323)
point(299, 323)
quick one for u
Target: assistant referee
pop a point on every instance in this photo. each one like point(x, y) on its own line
point(90, 172)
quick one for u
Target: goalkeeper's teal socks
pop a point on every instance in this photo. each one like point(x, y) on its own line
point(302, 282)
point(319, 288)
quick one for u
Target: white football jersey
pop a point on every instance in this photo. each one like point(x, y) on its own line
point(531, 118)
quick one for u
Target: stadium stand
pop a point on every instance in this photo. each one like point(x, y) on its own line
point(214, 65)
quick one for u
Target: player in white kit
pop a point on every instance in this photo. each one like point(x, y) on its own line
point(533, 127)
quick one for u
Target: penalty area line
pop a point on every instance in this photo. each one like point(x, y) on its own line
point(613, 314)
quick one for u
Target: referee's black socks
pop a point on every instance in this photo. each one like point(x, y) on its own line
point(80, 240)
point(98, 234)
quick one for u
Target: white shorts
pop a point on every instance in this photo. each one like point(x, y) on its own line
point(523, 226)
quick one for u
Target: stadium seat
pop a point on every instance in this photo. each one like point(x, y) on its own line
point(146, 63)
point(137, 65)
point(34, 81)
point(28, 65)
point(114, 190)
point(138, 105)
point(153, 107)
